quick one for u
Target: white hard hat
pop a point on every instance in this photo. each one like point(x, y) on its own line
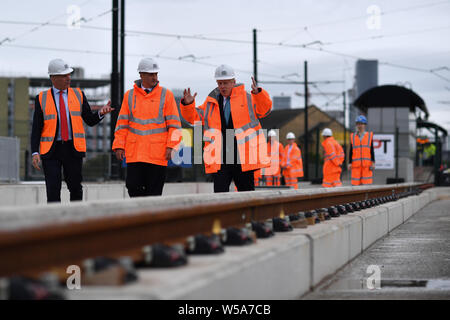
point(327, 132)
point(148, 65)
point(290, 135)
point(224, 72)
point(58, 67)
point(272, 133)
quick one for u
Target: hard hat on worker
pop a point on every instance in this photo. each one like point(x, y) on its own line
point(361, 119)
point(224, 72)
point(148, 65)
point(58, 67)
point(290, 135)
point(272, 133)
point(327, 132)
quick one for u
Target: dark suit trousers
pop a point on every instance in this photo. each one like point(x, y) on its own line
point(145, 179)
point(63, 157)
point(244, 181)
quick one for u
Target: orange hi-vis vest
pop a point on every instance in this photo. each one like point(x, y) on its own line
point(245, 109)
point(331, 156)
point(48, 134)
point(361, 150)
point(147, 125)
point(292, 163)
point(276, 152)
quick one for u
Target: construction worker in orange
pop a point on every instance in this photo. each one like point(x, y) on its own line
point(292, 162)
point(148, 130)
point(333, 159)
point(235, 145)
point(362, 156)
point(272, 175)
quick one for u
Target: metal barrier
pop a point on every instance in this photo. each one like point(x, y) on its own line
point(9, 159)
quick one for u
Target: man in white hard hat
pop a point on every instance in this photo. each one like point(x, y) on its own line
point(292, 163)
point(148, 129)
point(272, 175)
point(58, 138)
point(333, 159)
point(235, 145)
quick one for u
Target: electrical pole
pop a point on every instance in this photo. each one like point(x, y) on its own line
point(122, 49)
point(306, 122)
point(255, 60)
point(115, 166)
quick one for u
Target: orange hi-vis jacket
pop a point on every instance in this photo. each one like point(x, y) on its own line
point(276, 152)
point(333, 156)
point(361, 156)
point(147, 125)
point(292, 162)
point(75, 102)
point(246, 109)
point(339, 150)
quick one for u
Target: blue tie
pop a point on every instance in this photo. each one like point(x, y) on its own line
point(226, 110)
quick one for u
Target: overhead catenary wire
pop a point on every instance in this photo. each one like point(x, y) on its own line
point(133, 55)
point(359, 17)
point(307, 46)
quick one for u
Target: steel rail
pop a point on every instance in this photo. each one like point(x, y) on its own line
point(61, 244)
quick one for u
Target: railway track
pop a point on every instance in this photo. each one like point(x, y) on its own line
point(108, 240)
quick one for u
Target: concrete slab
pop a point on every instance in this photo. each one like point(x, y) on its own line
point(352, 225)
point(407, 208)
point(375, 224)
point(274, 268)
point(331, 248)
point(416, 251)
point(103, 191)
point(395, 214)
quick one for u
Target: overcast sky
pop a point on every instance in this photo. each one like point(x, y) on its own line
point(414, 34)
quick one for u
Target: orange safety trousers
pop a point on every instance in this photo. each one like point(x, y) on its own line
point(361, 175)
point(261, 180)
point(332, 180)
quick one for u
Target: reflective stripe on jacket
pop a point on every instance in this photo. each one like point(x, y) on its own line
point(147, 125)
point(48, 134)
point(246, 109)
point(361, 150)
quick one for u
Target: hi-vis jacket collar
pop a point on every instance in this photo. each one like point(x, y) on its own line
point(138, 84)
